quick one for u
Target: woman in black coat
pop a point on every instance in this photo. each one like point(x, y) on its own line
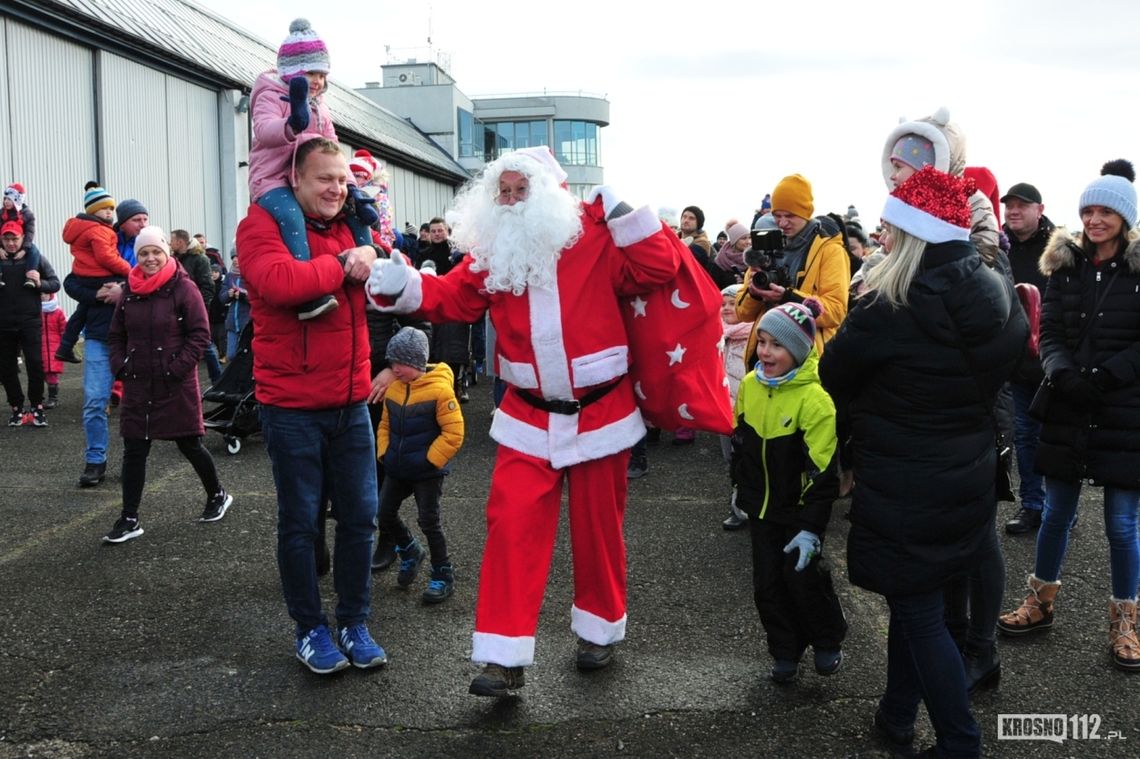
point(918, 362)
point(1090, 351)
point(158, 334)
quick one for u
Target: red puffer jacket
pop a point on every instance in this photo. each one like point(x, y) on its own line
point(317, 364)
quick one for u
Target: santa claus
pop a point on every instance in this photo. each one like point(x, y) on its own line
point(555, 275)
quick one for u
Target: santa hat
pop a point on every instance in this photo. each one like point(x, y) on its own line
point(987, 184)
point(301, 52)
point(932, 206)
point(529, 161)
point(363, 163)
point(15, 193)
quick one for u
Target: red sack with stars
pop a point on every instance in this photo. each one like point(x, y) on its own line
point(676, 345)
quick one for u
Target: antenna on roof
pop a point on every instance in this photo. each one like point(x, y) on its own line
point(429, 25)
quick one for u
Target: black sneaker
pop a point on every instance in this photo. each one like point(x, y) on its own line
point(1024, 521)
point(125, 529)
point(638, 468)
point(315, 308)
point(216, 506)
point(828, 662)
point(17, 417)
point(496, 680)
point(441, 586)
point(411, 556)
point(39, 419)
point(385, 554)
point(67, 354)
point(92, 475)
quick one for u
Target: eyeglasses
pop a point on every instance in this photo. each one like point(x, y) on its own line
point(519, 193)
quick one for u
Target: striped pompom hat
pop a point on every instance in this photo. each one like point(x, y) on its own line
point(302, 51)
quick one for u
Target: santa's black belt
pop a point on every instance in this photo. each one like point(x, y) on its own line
point(568, 407)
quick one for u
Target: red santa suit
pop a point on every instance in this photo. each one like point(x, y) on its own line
point(569, 413)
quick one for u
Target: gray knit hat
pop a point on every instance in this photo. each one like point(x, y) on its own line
point(128, 208)
point(409, 346)
point(793, 327)
point(1113, 190)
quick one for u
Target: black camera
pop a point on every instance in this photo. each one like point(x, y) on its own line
point(766, 257)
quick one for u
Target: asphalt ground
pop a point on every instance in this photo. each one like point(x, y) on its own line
point(178, 644)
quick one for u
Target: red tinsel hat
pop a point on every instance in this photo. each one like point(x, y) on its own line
point(363, 162)
point(932, 206)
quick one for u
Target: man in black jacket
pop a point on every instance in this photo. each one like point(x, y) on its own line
point(1028, 230)
point(197, 265)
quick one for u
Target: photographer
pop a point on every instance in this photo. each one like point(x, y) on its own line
point(810, 263)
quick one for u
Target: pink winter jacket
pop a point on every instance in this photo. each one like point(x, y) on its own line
point(274, 142)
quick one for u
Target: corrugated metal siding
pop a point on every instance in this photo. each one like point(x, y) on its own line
point(192, 157)
point(5, 135)
point(134, 135)
point(51, 114)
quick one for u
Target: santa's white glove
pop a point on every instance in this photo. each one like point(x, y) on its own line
point(610, 203)
point(389, 276)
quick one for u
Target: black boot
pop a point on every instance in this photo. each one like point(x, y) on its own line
point(385, 553)
point(53, 396)
point(983, 668)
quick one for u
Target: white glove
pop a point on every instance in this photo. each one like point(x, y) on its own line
point(610, 203)
point(389, 276)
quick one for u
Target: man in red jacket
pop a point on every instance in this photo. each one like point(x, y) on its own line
point(312, 380)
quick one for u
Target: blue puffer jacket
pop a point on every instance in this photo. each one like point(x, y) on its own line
point(422, 426)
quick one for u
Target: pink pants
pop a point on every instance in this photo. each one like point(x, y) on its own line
point(522, 523)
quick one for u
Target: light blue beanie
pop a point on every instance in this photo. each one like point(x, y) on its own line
point(1114, 190)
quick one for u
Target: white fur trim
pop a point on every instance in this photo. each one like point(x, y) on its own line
point(920, 224)
point(409, 300)
point(547, 342)
point(634, 227)
point(563, 445)
point(922, 129)
point(599, 367)
point(596, 630)
point(517, 373)
point(488, 648)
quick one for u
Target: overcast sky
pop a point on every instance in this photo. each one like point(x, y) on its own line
point(711, 103)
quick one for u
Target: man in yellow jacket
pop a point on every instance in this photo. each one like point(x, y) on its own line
point(817, 264)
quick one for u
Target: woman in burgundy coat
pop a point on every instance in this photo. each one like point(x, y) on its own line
point(158, 334)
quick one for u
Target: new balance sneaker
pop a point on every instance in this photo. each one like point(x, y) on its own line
point(125, 529)
point(38, 417)
point(316, 650)
point(17, 417)
point(411, 556)
point(216, 506)
point(359, 647)
point(316, 307)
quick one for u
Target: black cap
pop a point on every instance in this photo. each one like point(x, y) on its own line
point(1023, 191)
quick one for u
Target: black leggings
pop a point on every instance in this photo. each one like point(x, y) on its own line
point(135, 452)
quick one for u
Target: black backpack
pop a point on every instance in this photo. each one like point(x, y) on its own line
point(832, 224)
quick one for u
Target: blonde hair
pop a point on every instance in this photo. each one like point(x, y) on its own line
point(891, 279)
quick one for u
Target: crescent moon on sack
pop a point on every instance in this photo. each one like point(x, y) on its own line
point(683, 412)
point(676, 299)
point(637, 390)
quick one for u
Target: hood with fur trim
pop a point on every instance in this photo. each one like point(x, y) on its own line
point(1063, 248)
point(949, 143)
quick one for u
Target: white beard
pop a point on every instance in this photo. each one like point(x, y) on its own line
point(518, 246)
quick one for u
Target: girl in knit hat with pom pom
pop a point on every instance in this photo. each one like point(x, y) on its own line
point(287, 108)
point(1090, 432)
point(786, 475)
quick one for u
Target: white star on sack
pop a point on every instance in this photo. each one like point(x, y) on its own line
point(638, 306)
point(676, 355)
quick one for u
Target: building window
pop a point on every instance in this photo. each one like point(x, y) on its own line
point(470, 135)
point(504, 136)
point(576, 143)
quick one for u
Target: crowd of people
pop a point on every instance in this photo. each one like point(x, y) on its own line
point(894, 365)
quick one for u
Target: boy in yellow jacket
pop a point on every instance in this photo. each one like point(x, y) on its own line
point(420, 432)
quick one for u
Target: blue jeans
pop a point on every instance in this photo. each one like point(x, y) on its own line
point(97, 382)
point(1120, 520)
point(299, 443)
point(923, 663)
point(283, 207)
point(1026, 434)
point(213, 366)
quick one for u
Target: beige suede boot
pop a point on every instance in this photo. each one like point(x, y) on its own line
point(1035, 612)
point(1122, 634)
